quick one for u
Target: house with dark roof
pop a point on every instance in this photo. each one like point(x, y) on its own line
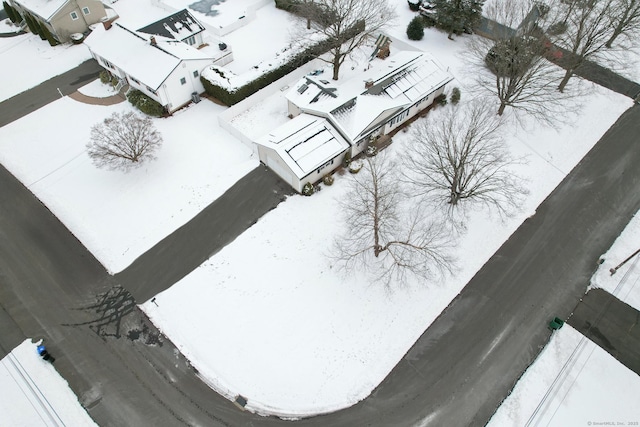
point(63, 17)
point(165, 69)
point(181, 26)
point(356, 111)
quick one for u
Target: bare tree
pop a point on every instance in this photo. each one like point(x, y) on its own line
point(626, 20)
point(345, 24)
point(384, 233)
point(460, 157)
point(582, 28)
point(123, 140)
point(520, 76)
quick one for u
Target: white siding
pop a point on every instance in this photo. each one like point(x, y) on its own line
point(177, 94)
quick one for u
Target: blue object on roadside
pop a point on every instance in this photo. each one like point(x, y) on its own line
point(41, 350)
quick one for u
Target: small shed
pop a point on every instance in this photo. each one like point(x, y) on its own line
point(302, 150)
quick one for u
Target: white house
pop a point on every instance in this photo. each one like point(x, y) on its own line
point(164, 69)
point(303, 150)
point(365, 107)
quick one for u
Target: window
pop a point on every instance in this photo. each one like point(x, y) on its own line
point(134, 80)
point(195, 73)
point(399, 118)
point(190, 41)
point(74, 15)
point(183, 81)
point(85, 10)
point(330, 162)
point(151, 90)
point(107, 63)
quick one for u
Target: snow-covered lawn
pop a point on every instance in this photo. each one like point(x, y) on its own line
point(32, 393)
point(296, 337)
point(34, 61)
point(118, 215)
point(624, 282)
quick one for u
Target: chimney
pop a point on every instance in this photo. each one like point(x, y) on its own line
point(368, 83)
point(153, 41)
point(107, 23)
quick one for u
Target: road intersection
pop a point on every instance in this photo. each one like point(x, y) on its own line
point(126, 373)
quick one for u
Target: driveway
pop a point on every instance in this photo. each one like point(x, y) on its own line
point(47, 92)
point(610, 323)
point(211, 230)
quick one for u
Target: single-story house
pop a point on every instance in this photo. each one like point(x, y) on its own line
point(164, 69)
point(63, 17)
point(365, 107)
point(181, 26)
point(302, 150)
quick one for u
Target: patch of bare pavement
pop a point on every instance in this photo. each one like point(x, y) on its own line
point(610, 323)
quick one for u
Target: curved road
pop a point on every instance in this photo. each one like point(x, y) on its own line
point(457, 373)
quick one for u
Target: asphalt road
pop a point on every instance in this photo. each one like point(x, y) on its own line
point(610, 323)
point(47, 92)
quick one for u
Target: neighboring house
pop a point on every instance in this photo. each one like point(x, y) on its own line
point(360, 109)
point(303, 150)
point(164, 69)
point(181, 26)
point(63, 17)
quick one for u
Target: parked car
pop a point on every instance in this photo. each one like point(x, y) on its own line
point(427, 9)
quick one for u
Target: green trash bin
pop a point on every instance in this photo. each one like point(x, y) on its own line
point(556, 323)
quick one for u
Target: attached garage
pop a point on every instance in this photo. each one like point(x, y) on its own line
point(302, 150)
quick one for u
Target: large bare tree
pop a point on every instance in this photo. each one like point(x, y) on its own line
point(458, 157)
point(385, 234)
point(625, 16)
point(513, 69)
point(123, 140)
point(344, 24)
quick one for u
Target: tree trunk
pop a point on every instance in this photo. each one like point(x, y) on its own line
point(565, 80)
point(308, 23)
point(336, 67)
point(613, 38)
point(454, 197)
point(503, 105)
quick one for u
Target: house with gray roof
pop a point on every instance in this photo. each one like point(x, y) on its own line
point(63, 17)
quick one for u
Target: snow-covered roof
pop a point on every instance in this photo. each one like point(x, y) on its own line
point(393, 84)
point(133, 53)
point(178, 26)
point(305, 143)
point(44, 8)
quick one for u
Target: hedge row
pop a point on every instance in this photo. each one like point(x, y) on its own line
point(231, 97)
point(145, 104)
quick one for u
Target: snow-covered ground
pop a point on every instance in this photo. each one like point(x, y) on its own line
point(290, 333)
point(119, 215)
point(294, 335)
point(624, 282)
point(29, 52)
point(32, 393)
